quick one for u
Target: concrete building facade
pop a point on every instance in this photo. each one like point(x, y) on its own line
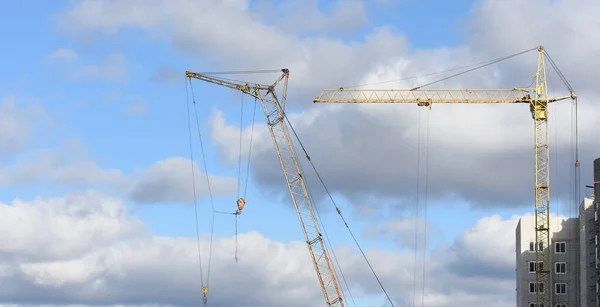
point(564, 261)
point(588, 219)
point(575, 256)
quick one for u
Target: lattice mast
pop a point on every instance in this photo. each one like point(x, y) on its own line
point(538, 100)
point(539, 113)
point(273, 108)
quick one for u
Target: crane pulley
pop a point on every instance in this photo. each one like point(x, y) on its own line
point(538, 100)
point(240, 205)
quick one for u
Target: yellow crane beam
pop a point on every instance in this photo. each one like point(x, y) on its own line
point(273, 108)
point(428, 97)
point(538, 100)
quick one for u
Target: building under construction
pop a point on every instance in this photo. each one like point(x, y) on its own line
point(574, 249)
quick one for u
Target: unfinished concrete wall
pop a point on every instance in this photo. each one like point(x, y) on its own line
point(597, 178)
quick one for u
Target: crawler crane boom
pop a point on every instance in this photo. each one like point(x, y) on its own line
point(274, 114)
point(538, 100)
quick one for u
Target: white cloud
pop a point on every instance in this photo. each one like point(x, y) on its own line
point(110, 68)
point(64, 54)
point(137, 108)
point(16, 124)
point(60, 228)
point(104, 257)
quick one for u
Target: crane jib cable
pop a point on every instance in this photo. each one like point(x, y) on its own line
point(475, 68)
point(204, 287)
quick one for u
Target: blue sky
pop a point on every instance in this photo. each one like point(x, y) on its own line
point(104, 92)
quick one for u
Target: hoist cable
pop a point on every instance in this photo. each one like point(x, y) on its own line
point(194, 187)
point(337, 208)
point(223, 212)
point(236, 238)
point(417, 206)
point(577, 172)
point(425, 209)
point(558, 71)
point(250, 148)
point(240, 147)
point(239, 172)
point(574, 130)
point(212, 230)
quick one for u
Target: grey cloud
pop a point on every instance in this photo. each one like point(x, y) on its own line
point(68, 163)
point(364, 150)
point(345, 17)
point(402, 231)
point(111, 68)
point(170, 180)
point(166, 74)
point(166, 181)
point(66, 61)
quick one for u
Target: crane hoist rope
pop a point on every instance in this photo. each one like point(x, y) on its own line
point(204, 287)
point(417, 207)
point(241, 202)
point(425, 209)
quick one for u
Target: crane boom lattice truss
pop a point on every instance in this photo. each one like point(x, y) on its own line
point(273, 108)
point(538, 100)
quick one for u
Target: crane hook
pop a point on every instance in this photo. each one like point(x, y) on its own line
point(204, 292)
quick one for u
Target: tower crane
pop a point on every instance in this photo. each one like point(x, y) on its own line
point(538, 100)
point(273, 108)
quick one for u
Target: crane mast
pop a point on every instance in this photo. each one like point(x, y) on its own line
point(273, 108)
point(538, 100)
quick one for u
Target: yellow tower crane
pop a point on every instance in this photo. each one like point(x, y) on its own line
point(538, 100)
point(273, 108)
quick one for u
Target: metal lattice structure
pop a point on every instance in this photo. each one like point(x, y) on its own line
point(538, 100)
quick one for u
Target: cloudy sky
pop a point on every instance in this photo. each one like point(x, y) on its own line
point(96, 190)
